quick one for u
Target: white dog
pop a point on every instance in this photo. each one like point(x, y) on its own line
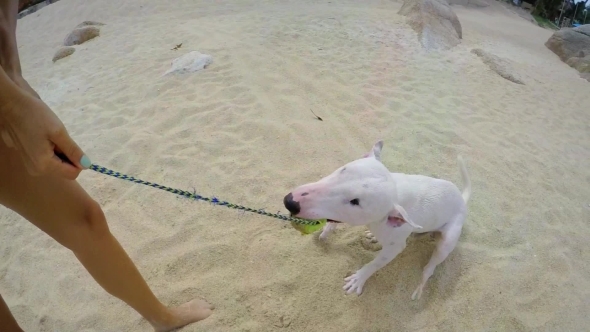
point(392, 205)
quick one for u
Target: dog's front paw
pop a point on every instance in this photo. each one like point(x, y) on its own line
point(369, 242)
point(355, 283)
point(370, 237)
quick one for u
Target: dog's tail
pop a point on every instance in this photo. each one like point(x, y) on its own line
point(466, 182)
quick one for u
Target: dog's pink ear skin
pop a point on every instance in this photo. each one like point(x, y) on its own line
point(395, 221)
point(398, 217)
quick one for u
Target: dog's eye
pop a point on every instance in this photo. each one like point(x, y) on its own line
point(355, 201)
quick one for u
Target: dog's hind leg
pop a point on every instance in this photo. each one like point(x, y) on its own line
point(449, 237)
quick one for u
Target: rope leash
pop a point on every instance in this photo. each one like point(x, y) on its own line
point(213, 200)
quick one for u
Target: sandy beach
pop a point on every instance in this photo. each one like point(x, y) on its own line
point(242, 130)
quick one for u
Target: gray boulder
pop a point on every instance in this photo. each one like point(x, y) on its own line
point(569, 42)
point(581, 64)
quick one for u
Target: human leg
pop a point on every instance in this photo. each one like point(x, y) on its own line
point(7, 321)
point(80, 226)
point(9, 58)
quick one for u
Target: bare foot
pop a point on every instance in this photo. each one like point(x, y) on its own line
point(185, 314)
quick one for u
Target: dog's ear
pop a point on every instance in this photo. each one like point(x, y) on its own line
point(375, 151)
point(398, 217)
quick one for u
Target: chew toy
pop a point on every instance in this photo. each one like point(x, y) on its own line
point(308, 229)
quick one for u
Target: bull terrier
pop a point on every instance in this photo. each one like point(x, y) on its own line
point(392, 205)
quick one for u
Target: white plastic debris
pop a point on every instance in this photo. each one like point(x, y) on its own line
point(189, 63)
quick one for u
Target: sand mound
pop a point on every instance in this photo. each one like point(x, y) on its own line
point(497, 64)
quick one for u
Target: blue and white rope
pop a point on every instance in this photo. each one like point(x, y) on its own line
point(195, 196)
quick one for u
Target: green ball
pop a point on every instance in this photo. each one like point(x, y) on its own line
point(308, 229)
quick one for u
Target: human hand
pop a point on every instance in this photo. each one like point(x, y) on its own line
point(31, 127)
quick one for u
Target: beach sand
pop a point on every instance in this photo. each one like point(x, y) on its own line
point(242, 130)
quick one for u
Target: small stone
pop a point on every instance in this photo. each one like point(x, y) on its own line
point(81, 35)
point(63, 52)
point(190, 62)
point(88, 23)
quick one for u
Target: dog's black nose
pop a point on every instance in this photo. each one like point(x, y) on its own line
point(291, 205)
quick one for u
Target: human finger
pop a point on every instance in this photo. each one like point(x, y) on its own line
point(65, 144)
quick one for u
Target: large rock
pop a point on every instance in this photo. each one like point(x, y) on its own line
point(435, 22)
point(569, 42)
point(81, 35)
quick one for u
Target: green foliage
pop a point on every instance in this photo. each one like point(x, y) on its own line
point(547, 8)
point(545, 23)
point(551, 10)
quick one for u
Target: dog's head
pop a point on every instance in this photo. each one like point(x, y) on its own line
point(358, 193)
